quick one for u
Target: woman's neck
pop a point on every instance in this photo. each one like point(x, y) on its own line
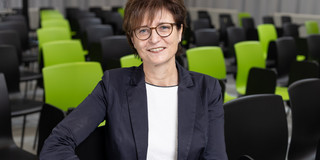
point(161, 75)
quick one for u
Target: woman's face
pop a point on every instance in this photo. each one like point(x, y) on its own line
point(157, 50)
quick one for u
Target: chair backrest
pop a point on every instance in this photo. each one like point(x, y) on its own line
point(261, 81)
point(94, 34)
point(11, 37)
point(248, 23)
point(250, 29)
point(267, 33)
point(85, 22)
point(292, 30)
point(202, 14)
point(94, 146)
point(50, 116)
point(115, 20)
point(5, 112)
point(65, 51)
point(303, 70)
point(206, 37)
point(235, 35)
point(304, 101)
point(242, 15)
point(267, 20)
point(286, 54)
point(248, 54)
point(67, 85)
point(313, 42)
point(52, 34)
point(21, 28)
point(56, 23)
point(207, 60)
point(285, 19)
point(130, 60)
point(312, 27)
point(256, 125)
point(200, 24)
point(113, 48)
point(9, 66)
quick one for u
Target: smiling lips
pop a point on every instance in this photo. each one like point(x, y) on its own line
point(156, 49)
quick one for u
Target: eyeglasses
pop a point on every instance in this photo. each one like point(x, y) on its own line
point(163, 30)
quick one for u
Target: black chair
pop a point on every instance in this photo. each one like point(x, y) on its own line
point(286, 55)
point(250, 29)
point(225, 22)
point(267, 20)
point(304, 99)
point(303, 70)
point(94, 34)
point(115, 20)
point(256, 125)
point(22, 29)
point(313, 42)
point(205, 15)
point(8, 149)
point(206, 37)
point(11, 37)
point(50, 116)
point(235, 35)
point(200, 24)
point(261, 81)
point(93, 147)
point(83, 24)
point(113, 48)
point(285, 19)
point(19, 106)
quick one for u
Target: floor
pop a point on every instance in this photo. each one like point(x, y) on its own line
point(32, 120)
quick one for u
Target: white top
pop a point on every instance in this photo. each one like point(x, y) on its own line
point(162, 122)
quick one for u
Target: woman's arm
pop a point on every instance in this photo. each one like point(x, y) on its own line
point(72, 130)
point(216, 143)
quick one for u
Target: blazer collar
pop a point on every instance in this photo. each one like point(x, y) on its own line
point(137, 101)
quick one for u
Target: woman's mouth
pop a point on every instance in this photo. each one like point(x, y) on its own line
point(156, 49)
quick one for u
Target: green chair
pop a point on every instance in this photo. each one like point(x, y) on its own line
point(64, 51)
point(57, 23)
point(249, 54)
point(312, 27)
point(50, 14)
point(267, 33)
point(67, 85)
point(52, 34)
point(209, 61)
point(130, 60)
point(242, 15)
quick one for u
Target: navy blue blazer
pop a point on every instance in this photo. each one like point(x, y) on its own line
point(120, 99)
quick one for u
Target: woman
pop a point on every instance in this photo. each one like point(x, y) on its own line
point(156, 111)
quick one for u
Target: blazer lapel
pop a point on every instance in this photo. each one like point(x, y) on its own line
point(187, 101)
point(137, 101)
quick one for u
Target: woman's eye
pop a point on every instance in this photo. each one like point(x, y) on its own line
point(142, 31)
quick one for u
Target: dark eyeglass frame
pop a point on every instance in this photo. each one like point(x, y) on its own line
point(155, 28)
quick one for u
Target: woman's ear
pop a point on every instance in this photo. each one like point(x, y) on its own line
point(181, 32)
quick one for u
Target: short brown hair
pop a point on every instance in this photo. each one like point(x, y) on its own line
point(135, 11)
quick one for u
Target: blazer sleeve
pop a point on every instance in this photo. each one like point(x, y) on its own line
point(215, 149)
point(73, 129)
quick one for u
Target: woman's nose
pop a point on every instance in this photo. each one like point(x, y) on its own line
point(154, 38)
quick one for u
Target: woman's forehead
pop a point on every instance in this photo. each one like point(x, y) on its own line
point(156, 17)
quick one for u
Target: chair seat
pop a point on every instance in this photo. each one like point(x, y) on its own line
point(29, 57)
point(28, 76)
point(283, 92)
point(13, 152)
point(20, 107)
